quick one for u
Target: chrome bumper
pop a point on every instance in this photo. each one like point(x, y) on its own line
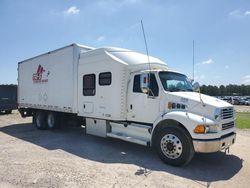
point(210, 146)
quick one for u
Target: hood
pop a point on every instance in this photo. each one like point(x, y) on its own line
point(192, 103)
point(208, 100)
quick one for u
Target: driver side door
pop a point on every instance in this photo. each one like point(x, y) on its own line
point(141, 107)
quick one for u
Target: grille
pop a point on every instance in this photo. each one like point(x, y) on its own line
point(227, 113)
point(227, 125)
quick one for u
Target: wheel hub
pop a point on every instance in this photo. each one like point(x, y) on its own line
point(171, 146)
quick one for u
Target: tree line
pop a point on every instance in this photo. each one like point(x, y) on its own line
point(229, 90)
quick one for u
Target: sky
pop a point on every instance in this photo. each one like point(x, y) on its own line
point(220, 30)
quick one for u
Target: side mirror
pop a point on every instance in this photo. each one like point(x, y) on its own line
point(191, 80)
point(196, 86)
point(144, 83)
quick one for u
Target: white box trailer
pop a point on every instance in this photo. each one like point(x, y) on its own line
point(49, 81)
point(117, 93)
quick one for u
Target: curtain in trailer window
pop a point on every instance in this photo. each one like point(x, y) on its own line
point(105, 78)
point(89, 85)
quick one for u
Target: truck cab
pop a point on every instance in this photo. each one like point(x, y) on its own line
point(183, 121)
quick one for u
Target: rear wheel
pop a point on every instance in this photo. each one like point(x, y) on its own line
point(53, 120)
point(40, 120)
point(174, 146)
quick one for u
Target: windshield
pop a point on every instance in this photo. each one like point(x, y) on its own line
point(172, 81)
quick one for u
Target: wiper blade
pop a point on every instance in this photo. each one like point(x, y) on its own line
point(174, 89)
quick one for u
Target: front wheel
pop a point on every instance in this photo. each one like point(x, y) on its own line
point(174, 146)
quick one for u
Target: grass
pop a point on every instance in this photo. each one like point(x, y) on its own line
point(243, 120)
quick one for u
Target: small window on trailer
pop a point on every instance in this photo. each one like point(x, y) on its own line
point(88, 85)
point(105, 78)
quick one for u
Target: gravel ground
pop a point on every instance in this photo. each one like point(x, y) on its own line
point(70, 158)
point(242, 108)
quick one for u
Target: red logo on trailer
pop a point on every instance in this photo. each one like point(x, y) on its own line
point(38, 76)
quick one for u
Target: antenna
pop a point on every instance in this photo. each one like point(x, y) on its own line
point(144, 36)
point(193, 60)
point(202, 102)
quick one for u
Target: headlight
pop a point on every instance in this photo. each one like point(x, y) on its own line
point(217, 114)
point(203, 129)
point(213, 128)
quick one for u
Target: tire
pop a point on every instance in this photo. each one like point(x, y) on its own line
point(8, 111)
point(40, 120)
point(53, 120)
point(174, 146)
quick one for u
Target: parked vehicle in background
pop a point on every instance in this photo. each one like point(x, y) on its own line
point(116, 93)
point(8, 98)
point(247, 102)
point(227, 99)
point(236, 100)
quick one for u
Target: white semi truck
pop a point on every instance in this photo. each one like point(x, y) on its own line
point(126, 95)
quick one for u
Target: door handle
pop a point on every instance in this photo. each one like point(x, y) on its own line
point(131, 106)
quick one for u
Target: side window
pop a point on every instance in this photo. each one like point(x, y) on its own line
point(153, 85)
point(105, 78)
point(136, 86)
point(88, 85)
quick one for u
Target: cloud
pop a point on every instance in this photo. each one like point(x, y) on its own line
point(234, 12)
point(101, 38)
point(135, 26)
point(217, 76)
point(130, 1)
point(207, 62)
point(247, 13)
point(72, 10)
point(239, 13)
point(246, 80)
point(200, 77)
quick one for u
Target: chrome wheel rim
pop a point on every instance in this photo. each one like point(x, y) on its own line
point(171, 146)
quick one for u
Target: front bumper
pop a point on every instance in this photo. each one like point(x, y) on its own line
point(214, 145)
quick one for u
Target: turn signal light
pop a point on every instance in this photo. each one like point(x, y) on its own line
point(200, 129)
point(169, 105)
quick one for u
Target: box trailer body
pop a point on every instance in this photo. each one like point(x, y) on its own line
point(127, 95)
point(8, 98)
point(49, 81)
